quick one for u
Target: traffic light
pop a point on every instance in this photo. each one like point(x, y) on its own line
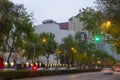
point(97, 38)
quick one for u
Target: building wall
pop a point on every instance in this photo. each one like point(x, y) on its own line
point(55, 29)
point(59, 35)
point(76, 25)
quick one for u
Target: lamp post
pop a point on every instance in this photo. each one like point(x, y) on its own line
point(73, 51)
point(105, 26)
point(34, 47)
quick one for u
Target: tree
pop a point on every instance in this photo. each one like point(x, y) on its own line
point(15, 25)
point(58, 53)
point(5, 19)
point(111, 12)
point(91, 20)
point(49, 45)
point(33, 48)
point(69, 49)
point(86, 52)
point(95, 21)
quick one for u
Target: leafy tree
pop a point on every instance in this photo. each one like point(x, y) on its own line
point(33, 48)
point(111, 9)
point(69, 48)
point(48, 44)
point(58, 53)
point(104, 57)
point(91, 19)
point(15, 25)
point(96, 20)
point(5, 19)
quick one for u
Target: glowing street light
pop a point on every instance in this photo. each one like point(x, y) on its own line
point(108, 24)
point(73, 49)
point(43, 40)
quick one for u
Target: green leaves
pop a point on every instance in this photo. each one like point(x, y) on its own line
point(15, 26)
point(91, 19)
point(111, 11)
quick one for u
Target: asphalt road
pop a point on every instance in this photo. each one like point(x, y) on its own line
point(79, 76)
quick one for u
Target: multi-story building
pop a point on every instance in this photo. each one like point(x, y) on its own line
point(62, 30)
point(76, 25)
point(59, 29)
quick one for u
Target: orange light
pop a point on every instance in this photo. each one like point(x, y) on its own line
point(108, 23)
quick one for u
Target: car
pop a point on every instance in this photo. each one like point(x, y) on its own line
point(108, 71)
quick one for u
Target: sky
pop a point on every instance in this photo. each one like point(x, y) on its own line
point(57, 10)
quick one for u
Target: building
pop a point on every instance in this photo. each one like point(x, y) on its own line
point(59, 29)
point(56, 28)
point(76, 25)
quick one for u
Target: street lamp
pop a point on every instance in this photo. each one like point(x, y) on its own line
point(105, 26)
point(44, 40)
point(34, 44)
point(74, 51)
point(108, 24)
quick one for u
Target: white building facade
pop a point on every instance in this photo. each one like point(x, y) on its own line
point(53, 27)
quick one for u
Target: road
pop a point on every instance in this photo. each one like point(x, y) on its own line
point(79, 76)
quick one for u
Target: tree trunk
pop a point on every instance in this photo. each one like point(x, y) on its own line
point(72, 60)
point(9, 56)
point(47, 61)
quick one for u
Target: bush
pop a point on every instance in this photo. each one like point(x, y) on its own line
point(9, 75)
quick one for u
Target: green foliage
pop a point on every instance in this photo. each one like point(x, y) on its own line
point(48, 43)
point(18, 74)
point(5, 19)
point(111, 11)
point(15, 26)
point(106, 10)
point(33, 48)
point(40, 44)
point(91, 19)
point(86, 52)
point(69, 48)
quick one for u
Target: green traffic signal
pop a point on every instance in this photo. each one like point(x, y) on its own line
point(97, 38)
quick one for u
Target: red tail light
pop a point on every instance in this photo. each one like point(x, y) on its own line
point(34, 67)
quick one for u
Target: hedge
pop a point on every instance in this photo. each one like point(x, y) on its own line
point(17, 74)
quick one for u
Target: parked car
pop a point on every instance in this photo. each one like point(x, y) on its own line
point(108, 71)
